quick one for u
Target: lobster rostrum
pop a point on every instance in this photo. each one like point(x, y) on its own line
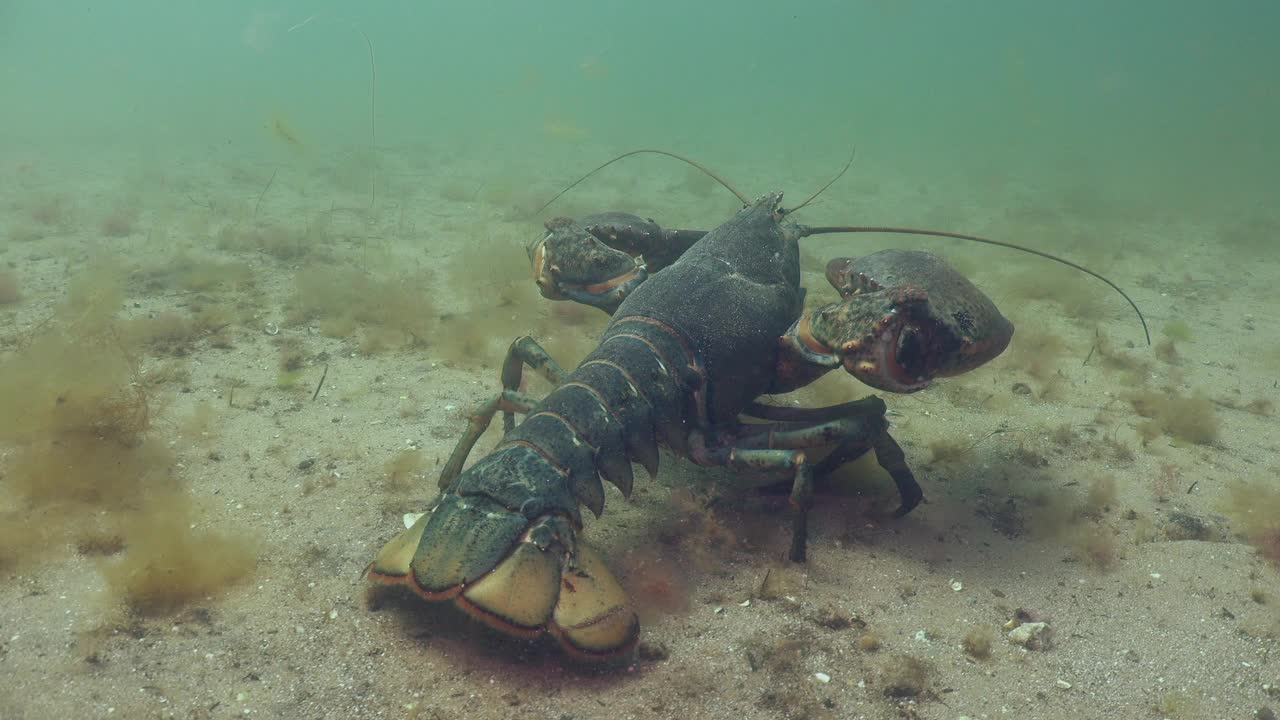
point(703, 324)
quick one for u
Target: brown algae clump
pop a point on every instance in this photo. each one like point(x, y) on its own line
point(10, 293)
point(1255, 507)
point(904, 676)
point(166, 564)
point(979, 642)
point(391, 311)
point(85, 470)
point(1188, 419)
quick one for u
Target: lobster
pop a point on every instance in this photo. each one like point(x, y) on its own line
point(703, 324)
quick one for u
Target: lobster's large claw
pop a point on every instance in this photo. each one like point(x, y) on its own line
point(906, 319)
point(641, 237)
point(877, 337)
point(521, 578)
point(569, 263)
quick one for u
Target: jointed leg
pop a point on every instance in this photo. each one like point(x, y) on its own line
point(870, 405)
point(778, 446)
point(856, 426)
point(525, 350)
point(889, 455)
point(792, 461)
point(508, 401)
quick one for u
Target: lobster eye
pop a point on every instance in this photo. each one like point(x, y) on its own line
point(910, 353)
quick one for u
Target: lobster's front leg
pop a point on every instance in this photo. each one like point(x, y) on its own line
point(779, 447)
point(773, 461)
point(853, 427)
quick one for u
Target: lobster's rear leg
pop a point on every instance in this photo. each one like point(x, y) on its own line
point(524, 350)
point(507, 401)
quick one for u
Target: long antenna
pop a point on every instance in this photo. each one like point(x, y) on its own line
point(806, 231)
point(696, 164)
point(830, 182)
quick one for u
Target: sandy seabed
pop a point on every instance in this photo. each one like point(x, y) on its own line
point(1082, 479)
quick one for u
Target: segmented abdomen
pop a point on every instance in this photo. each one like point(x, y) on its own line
point(641, 387)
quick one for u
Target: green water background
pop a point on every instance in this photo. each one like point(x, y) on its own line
point(1167, 103)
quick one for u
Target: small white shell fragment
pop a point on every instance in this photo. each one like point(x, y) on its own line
point(333, 614)
point(745, 603)
point(718, 611)
point(956, 585)
point(411, 518)
point(822, 677)
point(922, 636)
point(1063, 684)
